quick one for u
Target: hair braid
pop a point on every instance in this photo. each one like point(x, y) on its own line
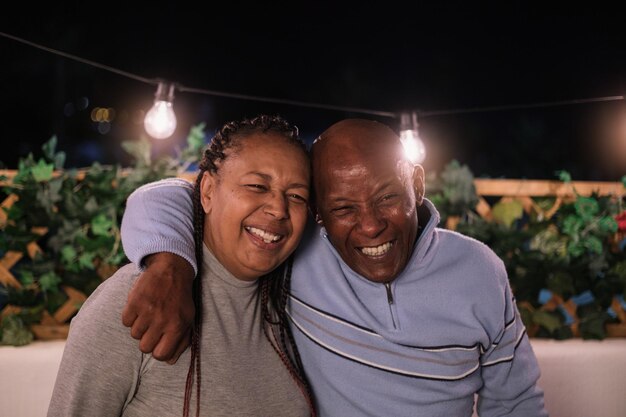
point(198, 227)
point(273, 287)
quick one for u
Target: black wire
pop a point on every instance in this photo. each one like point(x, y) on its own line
point(286, 101)
point(83, 60)
point(517, 106)
point(312, 105)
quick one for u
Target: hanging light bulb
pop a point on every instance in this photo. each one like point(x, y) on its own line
point(409, 136)
point(160, 121)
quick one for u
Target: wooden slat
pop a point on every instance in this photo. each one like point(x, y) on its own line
point(71, 306)
point(6, 263)
point(8, 202)
point(545, 188)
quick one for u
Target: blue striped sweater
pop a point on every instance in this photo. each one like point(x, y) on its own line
point(445, 329)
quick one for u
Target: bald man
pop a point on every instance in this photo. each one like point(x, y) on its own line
point(392, 315)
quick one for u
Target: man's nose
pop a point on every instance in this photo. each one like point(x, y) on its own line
point(276, 206)
point(371, 223)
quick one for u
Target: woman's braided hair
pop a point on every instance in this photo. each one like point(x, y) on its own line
point(274, 286)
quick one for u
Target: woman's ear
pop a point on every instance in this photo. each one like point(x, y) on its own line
point(207, 187)
point(419, 184)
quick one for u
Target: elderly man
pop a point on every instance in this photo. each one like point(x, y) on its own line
point(392, 316)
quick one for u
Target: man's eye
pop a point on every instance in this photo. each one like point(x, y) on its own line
point(342, 211)
point(388, 199)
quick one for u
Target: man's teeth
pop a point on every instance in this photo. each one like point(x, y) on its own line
point(377, 250)
point(266, 236)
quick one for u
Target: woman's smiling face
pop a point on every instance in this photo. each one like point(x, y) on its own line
point(256, 204)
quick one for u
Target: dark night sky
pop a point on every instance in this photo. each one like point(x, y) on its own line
point(427, 57)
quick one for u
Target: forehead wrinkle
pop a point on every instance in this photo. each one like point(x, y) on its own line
point(339, 196)
point(260, 174)
point(269, 178)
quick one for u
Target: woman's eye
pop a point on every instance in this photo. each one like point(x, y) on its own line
point(256, 187)
point(297, 198)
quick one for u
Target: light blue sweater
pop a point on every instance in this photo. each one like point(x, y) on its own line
point(446, 328)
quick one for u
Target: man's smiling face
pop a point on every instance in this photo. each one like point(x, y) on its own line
point(367, 194)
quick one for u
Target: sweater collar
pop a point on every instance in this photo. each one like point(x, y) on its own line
point(210, 265)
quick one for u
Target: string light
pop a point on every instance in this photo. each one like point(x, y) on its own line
point(160, 121)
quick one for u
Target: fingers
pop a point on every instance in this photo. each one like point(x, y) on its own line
point(183, 344)
point(139, 327)
point(149, 340)
point(129, 314)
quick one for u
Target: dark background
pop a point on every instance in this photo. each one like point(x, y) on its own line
point(389, 57)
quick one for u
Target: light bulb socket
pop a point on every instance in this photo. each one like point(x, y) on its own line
point(408, 121)
point(165, 92)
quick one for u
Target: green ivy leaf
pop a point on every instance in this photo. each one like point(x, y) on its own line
point(586, 207)
point(68, 254)
point(42, 171)
point(49, 151)
point(575, 249)
point(195, 140)
point(607, 224)
point(49, 147)
point(549, 242)
point(139, 150)
point(101, 225)
point(26, 278)
point(564, 176)
point(91, 205)
point(49, 282)
point(86, 260)
point(572, 225)
point(593, 244)
point(592, 326)
point(549, 321)
point(14, 332)
point(560, 283)
point(507, 212)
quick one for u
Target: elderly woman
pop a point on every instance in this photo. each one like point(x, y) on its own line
point(250, 210)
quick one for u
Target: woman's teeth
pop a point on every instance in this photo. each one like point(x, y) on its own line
point(265, 235)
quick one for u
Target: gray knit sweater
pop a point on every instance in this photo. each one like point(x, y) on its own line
point(103, 372)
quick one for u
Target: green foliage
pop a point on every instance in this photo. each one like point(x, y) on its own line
point(81, 216)
point(507, 212)
point(453, 191)
point(14, 332)
point(570, 254)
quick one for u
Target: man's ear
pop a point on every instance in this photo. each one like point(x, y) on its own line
point(419, 184)
point(207, 187)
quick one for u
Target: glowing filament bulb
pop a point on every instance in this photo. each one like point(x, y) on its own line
point(413, 146)
point(160, 121)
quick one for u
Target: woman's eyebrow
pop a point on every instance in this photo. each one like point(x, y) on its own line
point(268, 177)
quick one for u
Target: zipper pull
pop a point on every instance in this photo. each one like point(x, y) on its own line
point(389, 294)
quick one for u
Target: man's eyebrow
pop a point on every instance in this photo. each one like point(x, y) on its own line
point(339, 199)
